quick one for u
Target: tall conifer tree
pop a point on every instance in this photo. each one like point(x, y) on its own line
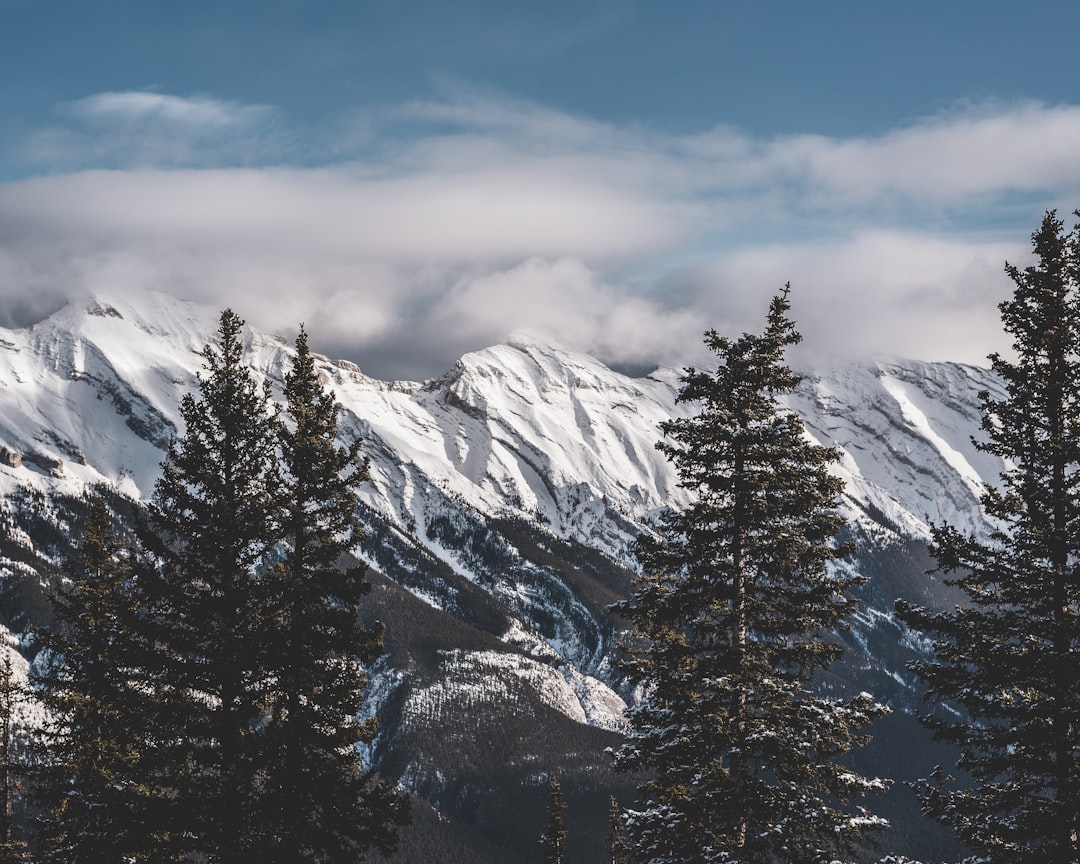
point(12, 766)
point(554, 838)
point(731, 618)
point(1010, 657)
point(618, 849)
point(205, 700)
point(323, 803)
point(216, 518)
point(93, 777)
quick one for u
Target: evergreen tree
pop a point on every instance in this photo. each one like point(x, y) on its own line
point(89, 778)
point(1010, 657)
point(731, 616)
point(554, 838)
point(204, 700)
point(12, 694)
point(215, 520)
point(322, 802)
point(618, 849)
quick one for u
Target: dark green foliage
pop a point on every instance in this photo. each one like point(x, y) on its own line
point(554, 839)
point(321, 802)
point(204, 699)
point(216, 518)
point(903, 750)
point(731, 618)
point(92, 783)
point(618, 847)
point(1010, 656)
point(36, 530)
point(12, 767)
point(261, 662)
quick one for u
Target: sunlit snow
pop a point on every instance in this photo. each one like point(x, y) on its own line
point(525, 429)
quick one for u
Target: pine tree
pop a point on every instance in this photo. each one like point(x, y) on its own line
point(89, 778)
point(12, 694)
point(215, 518)
point(204, 700)
point(323, 803)
point(554, 838)
point(618, 849)
point(1010, 657)
point(731, 616)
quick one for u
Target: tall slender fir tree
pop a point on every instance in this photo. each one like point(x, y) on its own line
point(618, 848)
point(731, 618)
point(203, 699)
point(93, 780)
point(215, 515)
point(12, 764)
point(325, 805)
point(554, 837)
point(1010, 657)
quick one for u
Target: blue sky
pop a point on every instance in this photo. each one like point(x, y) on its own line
point(418, 179)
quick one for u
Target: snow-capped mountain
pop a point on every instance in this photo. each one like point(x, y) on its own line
point(90, 395)
point(504, 500)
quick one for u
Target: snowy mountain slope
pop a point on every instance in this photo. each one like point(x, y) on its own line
point(504, 499)
point(905, 431)
point(525, 430)
point(521, 427)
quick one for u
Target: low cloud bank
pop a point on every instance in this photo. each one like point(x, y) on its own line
point(444, 227)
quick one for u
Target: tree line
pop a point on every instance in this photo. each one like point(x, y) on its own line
point(736, 602)
point(203, 689)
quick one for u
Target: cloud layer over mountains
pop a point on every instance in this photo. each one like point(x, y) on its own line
point(407, 236)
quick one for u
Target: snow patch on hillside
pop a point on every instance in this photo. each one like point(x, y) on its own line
point(469, 680)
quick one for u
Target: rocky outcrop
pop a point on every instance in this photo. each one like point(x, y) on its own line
point(46, 463)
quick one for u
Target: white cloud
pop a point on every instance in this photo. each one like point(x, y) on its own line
point(945, 161)
point(879, 293)
point(563, 300)
point(201, 113)
point(140, 128)
point(461, 221)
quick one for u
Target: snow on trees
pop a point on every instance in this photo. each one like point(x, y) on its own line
point(731, 618)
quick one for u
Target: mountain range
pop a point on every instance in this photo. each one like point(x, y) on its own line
point(504, 501)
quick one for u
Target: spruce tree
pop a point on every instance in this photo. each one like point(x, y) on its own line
point(215, 519)
point(12, 767)
point(90, 778)
point(1010, 657)
point(323, 803)
point(554, 837)
point(618, 849)
point(732, 616)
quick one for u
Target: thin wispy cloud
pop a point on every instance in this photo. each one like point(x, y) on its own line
point(449, 224)
point(946, 160)
point(119, 130)
point(196, 113)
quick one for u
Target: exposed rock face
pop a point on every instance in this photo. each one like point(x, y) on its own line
point(46, 463)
